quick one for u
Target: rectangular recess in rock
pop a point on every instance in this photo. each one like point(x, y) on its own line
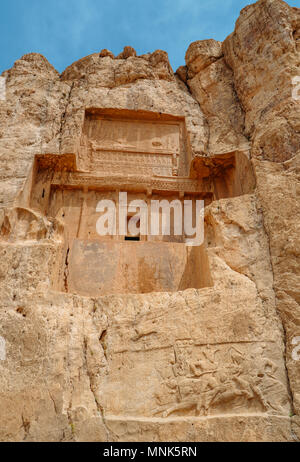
point(134, 142)
point(145, 155)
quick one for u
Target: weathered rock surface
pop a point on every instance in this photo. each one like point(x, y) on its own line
point(213, 87)
point(201, 54)
point(263, 53)
point(211, 364)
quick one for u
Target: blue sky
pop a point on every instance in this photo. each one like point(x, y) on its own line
point(66, 30)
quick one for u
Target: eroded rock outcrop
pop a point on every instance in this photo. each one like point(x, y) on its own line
point(263, 53)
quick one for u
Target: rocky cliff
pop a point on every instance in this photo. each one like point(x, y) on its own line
point(218, 363)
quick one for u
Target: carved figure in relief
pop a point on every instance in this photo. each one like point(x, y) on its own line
point(206, 365)
point(182, 351)
point(237, 387)
point(262, 372)
point(169, 391)
point(221, 379)
point(134, 135)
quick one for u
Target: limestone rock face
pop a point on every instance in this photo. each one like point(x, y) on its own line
point(213, 87)
point(104, 53)
point(263, 53)
point(201, 54)
point(127, 53)
point(218, 357)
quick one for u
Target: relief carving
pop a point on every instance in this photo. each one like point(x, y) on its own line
point(145, 146)
point(133, 135)
point(218, 380)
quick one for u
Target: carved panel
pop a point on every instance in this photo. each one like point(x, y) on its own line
point(130, 146)
point(115, 181)
point(133, 136)
point(219, 379)
point(126, 162)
